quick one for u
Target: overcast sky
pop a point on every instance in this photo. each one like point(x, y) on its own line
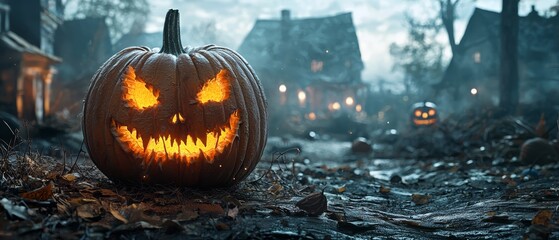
point(378, 23)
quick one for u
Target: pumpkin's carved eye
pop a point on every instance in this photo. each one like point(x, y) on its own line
point(216, 89)
point(432, 112)
point(417, 113)
point(137, 93)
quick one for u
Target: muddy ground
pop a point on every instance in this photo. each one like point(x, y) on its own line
point(466, 191)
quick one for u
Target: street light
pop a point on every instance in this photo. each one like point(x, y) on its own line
point(473, 91)
point(302, 96)
point(282, 88)
point(349, 101)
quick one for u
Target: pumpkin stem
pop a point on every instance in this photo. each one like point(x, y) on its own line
point(172, 34)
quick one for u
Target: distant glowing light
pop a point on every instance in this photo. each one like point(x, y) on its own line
point(424, 115)
point(473, 91)
point(302, 96)
point(336, 106)
point(349, 101)
point(282, 88)
point(311, 116)
point(358, 108)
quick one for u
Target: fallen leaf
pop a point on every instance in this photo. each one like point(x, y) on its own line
point(117, 215)
point(314, 204)
point(275, 188)
point(40, 194)
point(420, 199)
point(384, 190)
point(341, 189)
point(70, 177)
point(233, 212)
point(14, 211)
point(90, 211)
point(543, 217)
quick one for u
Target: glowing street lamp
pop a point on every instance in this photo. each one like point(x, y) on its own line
point(473, 91)
point(336, 106)
point(282, 88)
point(349, 101)
point(302, 96)
point(358, 108)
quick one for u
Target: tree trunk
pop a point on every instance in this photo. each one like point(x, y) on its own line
point(448, 8)
point(508, 84)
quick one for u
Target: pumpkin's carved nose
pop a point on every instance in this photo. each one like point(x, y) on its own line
point(177, 118)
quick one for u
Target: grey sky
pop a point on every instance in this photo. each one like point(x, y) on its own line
point(378, 23)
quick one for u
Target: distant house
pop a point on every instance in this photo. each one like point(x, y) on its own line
point(311, 66)
point(26, 56)
point(85, 45)
point(476, 63)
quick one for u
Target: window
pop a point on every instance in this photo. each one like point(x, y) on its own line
point(477, 57)
point(316, 66)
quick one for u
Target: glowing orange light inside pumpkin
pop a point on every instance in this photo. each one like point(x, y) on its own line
point(424, 115)
point(216, 89)
point(177, 117)
point(164, 148)
point(417, 113)
point(137, 93)
point(432, 112)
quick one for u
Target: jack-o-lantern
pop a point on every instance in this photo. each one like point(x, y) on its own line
point(424, 114)
point(186, 117)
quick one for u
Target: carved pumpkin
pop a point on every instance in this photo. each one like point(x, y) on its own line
point(187, 117)
point(424, 114)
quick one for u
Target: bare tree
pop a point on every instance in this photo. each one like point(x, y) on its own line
point(448, 15)
point(121, 16)
point(508, 84)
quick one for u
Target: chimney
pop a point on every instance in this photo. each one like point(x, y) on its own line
point(285, 15)
point(285, 24)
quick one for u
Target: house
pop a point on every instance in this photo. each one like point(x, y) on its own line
point(474, 70)
point(84, 44)
point(310, 66)
point(26, 56)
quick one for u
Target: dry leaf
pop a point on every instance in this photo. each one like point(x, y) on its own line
point(233, 212)
point(341, 189)
point(314, 204)
point(275, 188)
point(40, 194)
point(543, 217)
point(90, 212)
point(384, 190)
point(420, 199)
point(117, 215)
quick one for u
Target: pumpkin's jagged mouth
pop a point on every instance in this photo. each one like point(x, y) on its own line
point(166, 147)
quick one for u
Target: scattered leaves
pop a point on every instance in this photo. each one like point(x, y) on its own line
point(40, 194)
point(314, 204)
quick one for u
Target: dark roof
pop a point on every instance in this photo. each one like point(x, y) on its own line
point(151, 40)
point(14, 42)
point(84, 44)
point(272, 46)
point(538, 45)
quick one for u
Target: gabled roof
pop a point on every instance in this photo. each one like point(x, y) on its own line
point(278, 45)
point(538, 45)
point(14, 42)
